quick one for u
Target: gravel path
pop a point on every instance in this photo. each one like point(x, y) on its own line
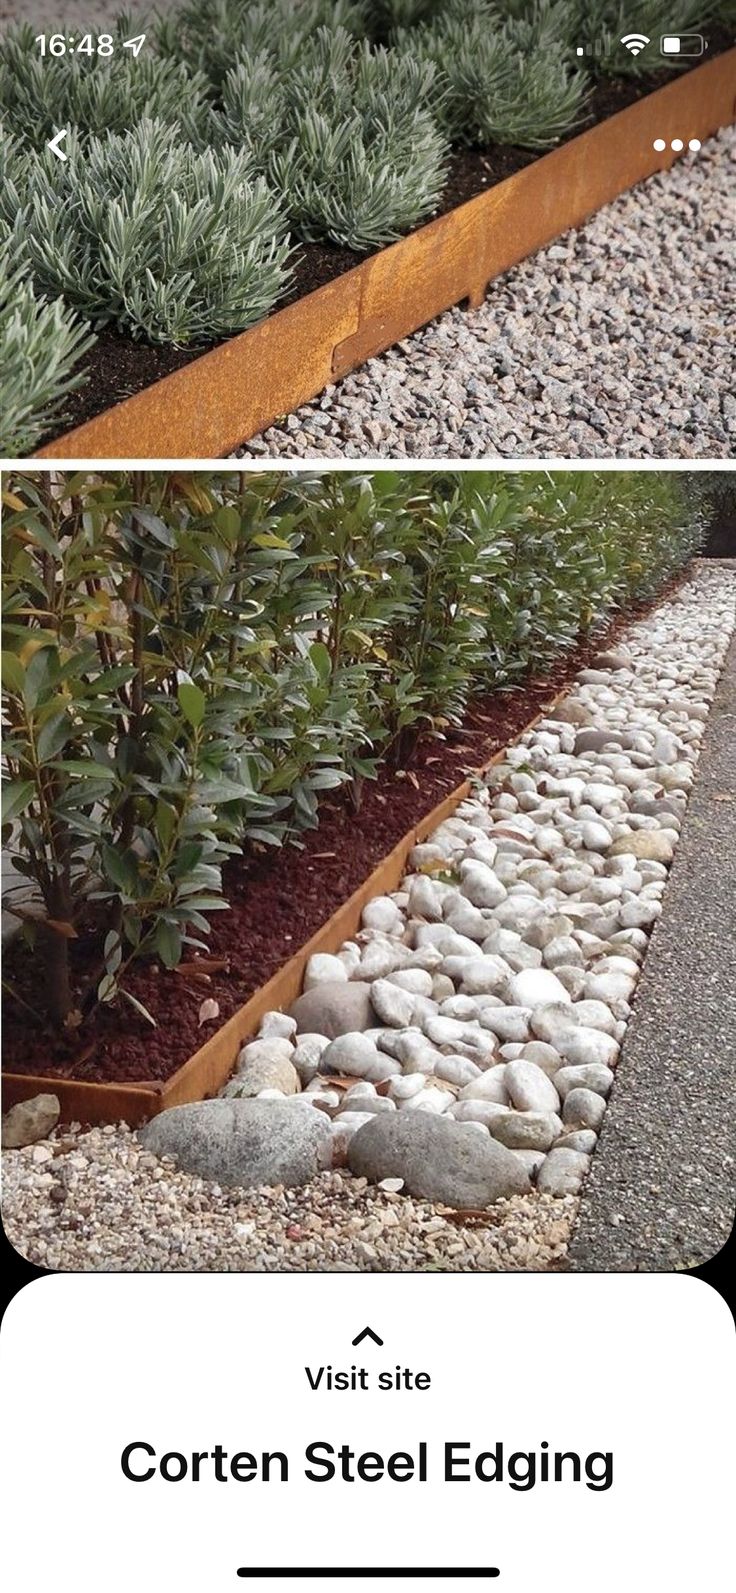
point(671, 1117)
point(618, 340)
point(530, 936)
point(96, 1201)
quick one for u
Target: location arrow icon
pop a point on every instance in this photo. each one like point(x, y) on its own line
point(53, 144)
point(136, 45)
point(367, 1333)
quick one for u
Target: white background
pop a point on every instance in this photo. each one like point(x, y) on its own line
point(640, 1365)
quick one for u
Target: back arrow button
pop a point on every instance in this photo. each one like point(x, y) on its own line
point(53, 144)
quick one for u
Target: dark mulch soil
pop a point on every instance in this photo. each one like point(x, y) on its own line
point(277, 901)
point(118, 366)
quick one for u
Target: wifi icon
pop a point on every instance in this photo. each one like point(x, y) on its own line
point(635, 42)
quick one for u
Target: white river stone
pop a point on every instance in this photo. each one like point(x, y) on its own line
point(563, 1172)
point(529, 1088)
point(322, 968)
point(583, 1109)
point(536, 987)
point(591, 1076)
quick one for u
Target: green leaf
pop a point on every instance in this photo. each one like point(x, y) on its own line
point(85, 769)
point(228, 522)
point(39, 674)
point(107, 988)
point(53, 736)
point(120, 868)
point(320, 658)
point(156, 527)
point(168, 943)
point(269, 539)
point(187, 858)
point(109, 680)
point(42, 536)
point(326, 779)
point(165, 821)
point(16, 795)
point(192, 702)
point(13, 673)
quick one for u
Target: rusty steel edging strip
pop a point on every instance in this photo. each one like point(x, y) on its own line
point(231, 393)
point(86, 1102)
point(204, 1073)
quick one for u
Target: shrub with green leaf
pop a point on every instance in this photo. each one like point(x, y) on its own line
point(191, 662)
point(141, 231)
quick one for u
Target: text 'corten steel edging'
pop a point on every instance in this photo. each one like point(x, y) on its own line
point(209, 1068)
point(235, 390)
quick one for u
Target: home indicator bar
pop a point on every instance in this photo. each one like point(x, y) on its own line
point(363, 1571)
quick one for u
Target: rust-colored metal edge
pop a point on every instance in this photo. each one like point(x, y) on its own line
point(235, 390)
point(85, 1102)
point(205, 1072)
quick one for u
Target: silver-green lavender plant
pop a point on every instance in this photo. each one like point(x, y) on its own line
point(96, 94)
point(356, 149)
point(142, 231)
point(505, 79)
point(41, 344)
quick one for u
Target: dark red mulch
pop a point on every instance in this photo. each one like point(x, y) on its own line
point(118, 366)
point(278, 900)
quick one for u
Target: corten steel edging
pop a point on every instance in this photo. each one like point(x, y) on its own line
point(83, 1102)
point(204, 1073)
point(231, 393)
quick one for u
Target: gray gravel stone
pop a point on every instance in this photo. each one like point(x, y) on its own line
point(30, 1121)
point(526, 1130)
point(247, 1143)
point(583, 1109)
point(125, 1210)
point(563, 1171)
point(621, 347)
point(438, 1160)
point(334, 1009)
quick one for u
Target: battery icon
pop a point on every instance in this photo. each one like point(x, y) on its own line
point(682, 44)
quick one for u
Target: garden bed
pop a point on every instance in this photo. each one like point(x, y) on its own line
point(198, 669)
point(208, 1068)
point(205, 404)
point(92, 1199)
point(274, 901)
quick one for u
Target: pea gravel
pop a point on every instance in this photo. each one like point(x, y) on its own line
point(615, 341)
point(96, 1201)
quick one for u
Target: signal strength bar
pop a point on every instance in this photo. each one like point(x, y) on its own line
point(598, 47)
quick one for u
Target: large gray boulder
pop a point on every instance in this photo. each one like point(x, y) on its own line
point(335, 1007)
point(437, 1159)
point(246, 1143)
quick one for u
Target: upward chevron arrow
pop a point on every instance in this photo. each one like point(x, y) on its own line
point(367, 1333)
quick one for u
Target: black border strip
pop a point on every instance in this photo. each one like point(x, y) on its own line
point(368, 1570)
